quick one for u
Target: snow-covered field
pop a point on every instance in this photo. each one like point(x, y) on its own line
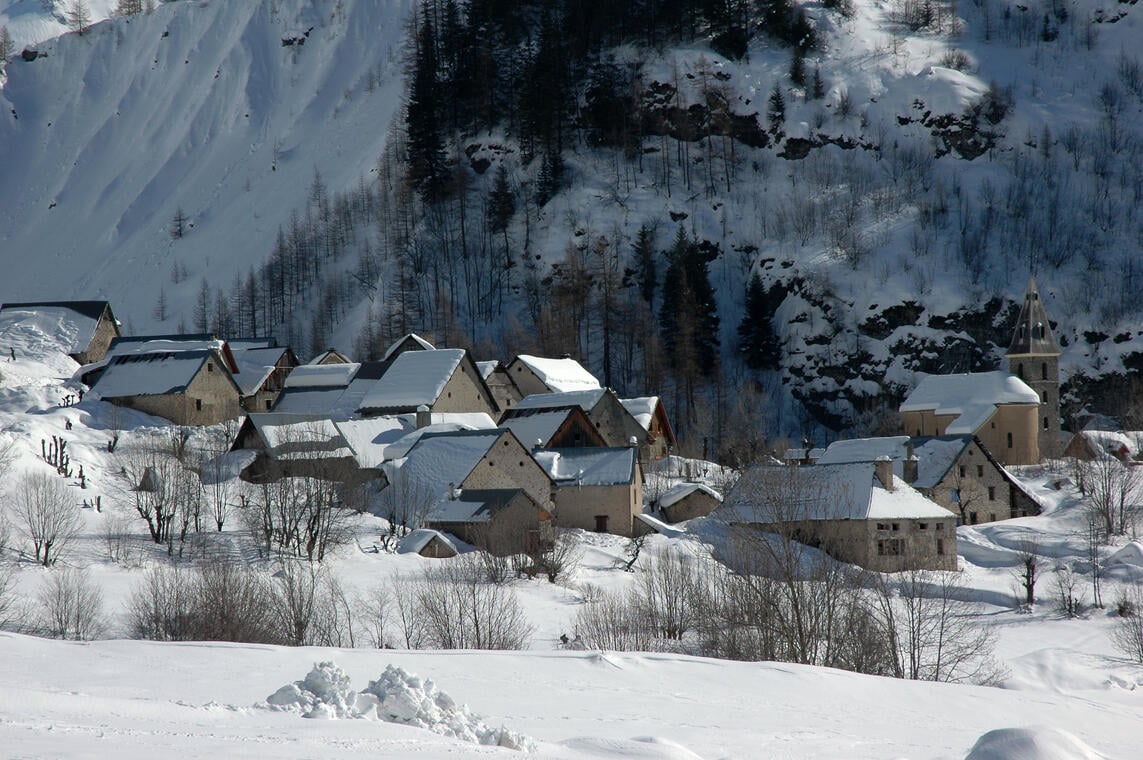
point(1068, 693)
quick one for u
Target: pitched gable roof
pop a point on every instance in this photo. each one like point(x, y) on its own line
point(970, 397)
point(257, 364)
point(153, 374)
point(935, 454)
point(414, 378)
point(541, 426)
point(438, 459)
point(74, 321)
point(584, 399)
point(472, 505)
point(769, 494)
point(597, 466)
point(559, 374)
point(410, 342)
point(680, 491)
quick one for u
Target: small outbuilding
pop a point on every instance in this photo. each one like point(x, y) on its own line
point(686, 501)
point(427, 543)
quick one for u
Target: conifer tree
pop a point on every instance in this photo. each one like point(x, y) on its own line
point(427, 168)
point(776, 108)
point(645, 263)
point(818, 86)
point(756, 339)
point(78, 16)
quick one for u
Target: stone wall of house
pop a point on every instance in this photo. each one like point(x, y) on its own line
point(514, 529)
point(464, 392)
point(975, 485)
point(503, 390)
point(579, 506)
point(525, 379)
point(105, 332)
point(694, 504)
point(618, 427)
point(508, 465)
point(887, 546)
point(576, 432)
point(210, 398)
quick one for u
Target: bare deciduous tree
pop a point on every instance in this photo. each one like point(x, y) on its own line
point(1127, 635)
point(71, 606)
point(49, 514)
point(458, 609)
point(1069, 600)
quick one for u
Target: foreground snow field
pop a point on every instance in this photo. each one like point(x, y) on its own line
point(142, 700)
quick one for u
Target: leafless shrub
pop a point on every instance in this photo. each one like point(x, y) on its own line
point(375, 614)
point(613, 622)
point(162, 607)
point(50, 516)
point(458, 609)
point(1127, 635)
point(117, 539)
point(956, 59)
point(1069, 599)
point(232, 603)
point(71, 606)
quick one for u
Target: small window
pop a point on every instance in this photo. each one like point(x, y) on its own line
point(1009, 440)
point(882, 526)
point(1044, 371)
point(991, 517)
point(973, 518)
point(198, 404)
point(980, 471)
point(962, 471)
point(890, 547)
point(940, 526)
point(1020, 370)
point(1045, 423)
point(923, 526)
point(992, 493)
point(209, 367)
point(269, 404)
point(601, 523)
point(896, 526)
point(940, 546)
point(993, 425)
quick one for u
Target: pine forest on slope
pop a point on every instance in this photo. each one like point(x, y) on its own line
point(776, 212)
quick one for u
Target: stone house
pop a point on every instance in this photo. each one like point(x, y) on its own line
point(858, 513)
point(442, 464)
point(410, 342)
point(501, 521)
point(332, 390)
point(606, 412)
point(536, 374)
point(90, 326)
point(686, 501)
point(650, 413)
point(568, 427)
point(185, 387)
point(500, 383)
point(597, 489)
point(427, 543)
point(443, 380)
point(135, 345)
point(956, 472)
point(290, 445)
point(329, 356)
point(262, 373)
point(1087, 445)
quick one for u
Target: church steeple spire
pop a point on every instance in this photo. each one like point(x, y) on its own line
point(1034, 357)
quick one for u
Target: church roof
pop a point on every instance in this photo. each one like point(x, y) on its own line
point(1033, 333)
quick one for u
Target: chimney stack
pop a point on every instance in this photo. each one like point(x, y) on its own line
point(909, 466)
point(883, 467)
point(424, 417)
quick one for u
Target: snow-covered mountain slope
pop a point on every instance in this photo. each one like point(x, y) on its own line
point(197, 106)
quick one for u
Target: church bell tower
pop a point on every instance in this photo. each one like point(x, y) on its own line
point(1034, 357)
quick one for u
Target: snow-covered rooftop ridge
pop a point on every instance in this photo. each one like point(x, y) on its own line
point(486, 368)
point(71, 323)
point(680, 491)
point(864, 449)
point(471, 505)
point(971, 397)
point(595, 466)
point(851, 491)
point(642, 409)
point(413, 337)
point(418, 539)
point(152, 374)
point(560, 374)
point(585, 399)
point(414, 378)
point(439, 459)
point(537, 429)
point(1105, 443)
point(379, 439)
point(322, 375)
point(254, 366)
point(934, 454)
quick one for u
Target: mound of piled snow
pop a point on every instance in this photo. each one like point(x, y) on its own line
point(1036, 743)
point(397, 697)
point(1130, 554)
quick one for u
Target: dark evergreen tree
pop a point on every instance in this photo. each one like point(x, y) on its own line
point(818, 86)
point(427, 168)
point(688, 316)
point(645, 263)
point(501, 202)
point(756, 338)
point(798, 67)
point(776, 108)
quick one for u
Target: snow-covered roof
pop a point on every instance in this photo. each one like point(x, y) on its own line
point(864, 449)
point(378, 439)
point(595, 466)
point(934, 454)
point(74, 323)
point(487, 368)
point(533, 429)
point(971, 397)
point(254, 366)
point(560, 374)
point(1105, 443)
point(851, 491)
point(288, 437)
point(642, 409)
point(418, 539)
point(799, 453)
point(154, 374)
point(322, 375)
point(585, 399)
point(438, 459)
point(680, 491)
point(412, 337)
point(471, 505)
point(414, 378)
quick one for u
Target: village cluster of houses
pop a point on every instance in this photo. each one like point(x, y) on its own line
point(495, 453)
point(486, 451)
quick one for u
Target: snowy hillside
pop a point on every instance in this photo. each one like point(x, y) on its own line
point(198, 107)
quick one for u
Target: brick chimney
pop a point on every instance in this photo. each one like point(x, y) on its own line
point(883, 468)
point(909, 466)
